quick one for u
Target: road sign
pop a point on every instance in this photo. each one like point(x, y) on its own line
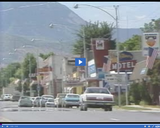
point(32, 74)
point(110, 78)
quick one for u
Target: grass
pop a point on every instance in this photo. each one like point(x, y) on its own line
point(152, 106)
point(130, 108)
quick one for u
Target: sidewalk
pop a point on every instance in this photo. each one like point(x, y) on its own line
point(145, 107)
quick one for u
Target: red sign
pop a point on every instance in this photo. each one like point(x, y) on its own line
point(123, 66)
point(100, 47)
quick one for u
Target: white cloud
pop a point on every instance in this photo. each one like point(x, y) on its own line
point(140, 17)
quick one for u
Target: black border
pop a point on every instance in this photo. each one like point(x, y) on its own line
point(80, 122)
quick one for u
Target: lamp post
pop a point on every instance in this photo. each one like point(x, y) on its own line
point(84, 43)
point(37, 51)
point(22, 75)
point(117, 38)
point(84, 47)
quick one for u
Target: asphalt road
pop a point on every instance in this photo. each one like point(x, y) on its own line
point(9, 112)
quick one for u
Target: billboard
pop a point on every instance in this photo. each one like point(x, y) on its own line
point(100, 47)
point(126, 61)
point(91, 68)
point(150, 40)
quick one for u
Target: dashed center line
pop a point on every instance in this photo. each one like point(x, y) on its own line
point(114, 119)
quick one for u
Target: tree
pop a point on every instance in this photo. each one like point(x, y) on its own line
point(45, 56)
point(29, 63)
point(152, 26)
point(131, 44)
point(93, 30)
point(7, 73)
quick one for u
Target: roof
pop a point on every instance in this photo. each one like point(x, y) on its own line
point(137, 72)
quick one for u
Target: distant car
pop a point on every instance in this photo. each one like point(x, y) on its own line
point(50, 103)
point(59, 101)
point(96, 97)
point(32, 99)
point(15, 98)
point(44, 99)
point(6, 97)
point(71, 100)
point(36, 102)
point(25, 101)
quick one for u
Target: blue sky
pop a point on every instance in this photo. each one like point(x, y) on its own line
point(131, 14)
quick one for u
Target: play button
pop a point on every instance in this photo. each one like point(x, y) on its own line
point(80, 61)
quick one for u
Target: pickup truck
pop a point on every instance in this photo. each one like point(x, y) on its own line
point(96, 97)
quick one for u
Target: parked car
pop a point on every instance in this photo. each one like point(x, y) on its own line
point(44, 99)
point(71, 100)
point(25, 101)
point(96, 97)
point(36, 102)
point(32, 99)
point(6, 97)
point(59, 100)
point(15, 98)
point(50, 103)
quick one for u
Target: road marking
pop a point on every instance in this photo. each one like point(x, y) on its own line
point(2, 119)
point(114, 119)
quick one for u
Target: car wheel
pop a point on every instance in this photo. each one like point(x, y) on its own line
point(110, 108)
point(84, 107)
point(81, 108)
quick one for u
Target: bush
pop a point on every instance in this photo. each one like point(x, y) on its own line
point(123, 99)
point(143, 103)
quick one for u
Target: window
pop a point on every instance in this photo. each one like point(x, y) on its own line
point(73, 96)
point(97, 90)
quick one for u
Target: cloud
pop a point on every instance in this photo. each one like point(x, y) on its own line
point(140, 17)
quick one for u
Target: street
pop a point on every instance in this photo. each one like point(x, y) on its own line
point(11, 113)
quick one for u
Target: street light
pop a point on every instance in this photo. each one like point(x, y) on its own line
point(117, 40)
point(37, 66)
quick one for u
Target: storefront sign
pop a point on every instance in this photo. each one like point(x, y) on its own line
point(150, 40)
point(126, 65)
point(99, 44)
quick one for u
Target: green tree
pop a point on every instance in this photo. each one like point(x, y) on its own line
point(151, 26)
point(93, 30)
point(45, 56)
point(7, 73)
point(29, 63)
point(131, 44)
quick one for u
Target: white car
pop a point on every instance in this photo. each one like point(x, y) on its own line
point(50, 103)
point(44, 99)
point(6, 97)
point(25, 101)
point(96, 97)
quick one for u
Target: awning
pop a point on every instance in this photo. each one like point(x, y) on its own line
point(140, 71)
point(90, 79)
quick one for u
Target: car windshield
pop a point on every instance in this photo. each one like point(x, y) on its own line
point(46, 97)
point(25, 98)
point(38, 98)
point(61, 95)
point(97, 90)
point(73, 96)
point(51, 100)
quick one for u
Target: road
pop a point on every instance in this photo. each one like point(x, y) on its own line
point(9, 112)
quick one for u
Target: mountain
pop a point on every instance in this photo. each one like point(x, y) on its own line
point(32, 19)
point(23, 21)
point(125, 34)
